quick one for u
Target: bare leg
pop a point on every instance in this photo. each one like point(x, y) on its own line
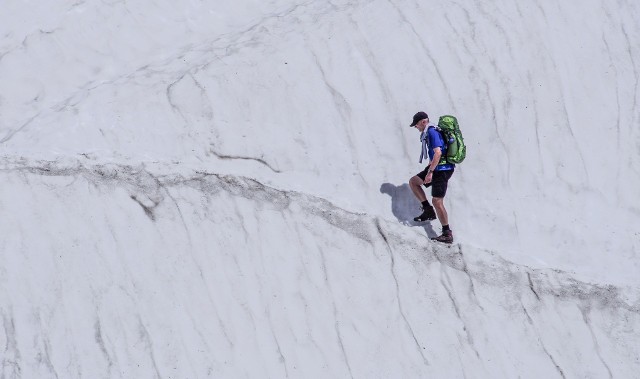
point(438, 204)
point(416, 186)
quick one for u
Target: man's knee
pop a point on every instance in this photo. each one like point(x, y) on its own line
point(438, 201)
point(415, 181)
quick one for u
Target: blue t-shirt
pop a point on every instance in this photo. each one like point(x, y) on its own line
point(434, 139)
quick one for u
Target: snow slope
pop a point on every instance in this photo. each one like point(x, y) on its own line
point(219, 190)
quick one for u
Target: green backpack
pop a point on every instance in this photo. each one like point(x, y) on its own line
point(450, 130)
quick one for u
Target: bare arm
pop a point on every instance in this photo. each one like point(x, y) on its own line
point(437, 153)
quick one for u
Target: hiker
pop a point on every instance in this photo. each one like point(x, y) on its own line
point(436, 175)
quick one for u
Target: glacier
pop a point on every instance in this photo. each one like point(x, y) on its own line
point(205, 189)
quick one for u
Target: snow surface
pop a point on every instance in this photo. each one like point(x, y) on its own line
point(219, 189)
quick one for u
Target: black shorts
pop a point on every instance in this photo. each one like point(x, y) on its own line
point(439, 181)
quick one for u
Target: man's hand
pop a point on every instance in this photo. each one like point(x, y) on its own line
point(437, 153)
point(428, 178)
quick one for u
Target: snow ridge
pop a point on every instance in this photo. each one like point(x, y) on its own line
point(450, 299)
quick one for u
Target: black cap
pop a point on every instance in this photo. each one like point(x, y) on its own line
point(418, 117)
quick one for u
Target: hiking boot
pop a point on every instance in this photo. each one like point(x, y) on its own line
point(446, 237)
point(428, 215)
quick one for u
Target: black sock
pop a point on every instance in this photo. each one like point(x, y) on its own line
point(445, 228)
point(426, 205)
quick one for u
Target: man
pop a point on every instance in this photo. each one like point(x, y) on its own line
point(436, 175)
